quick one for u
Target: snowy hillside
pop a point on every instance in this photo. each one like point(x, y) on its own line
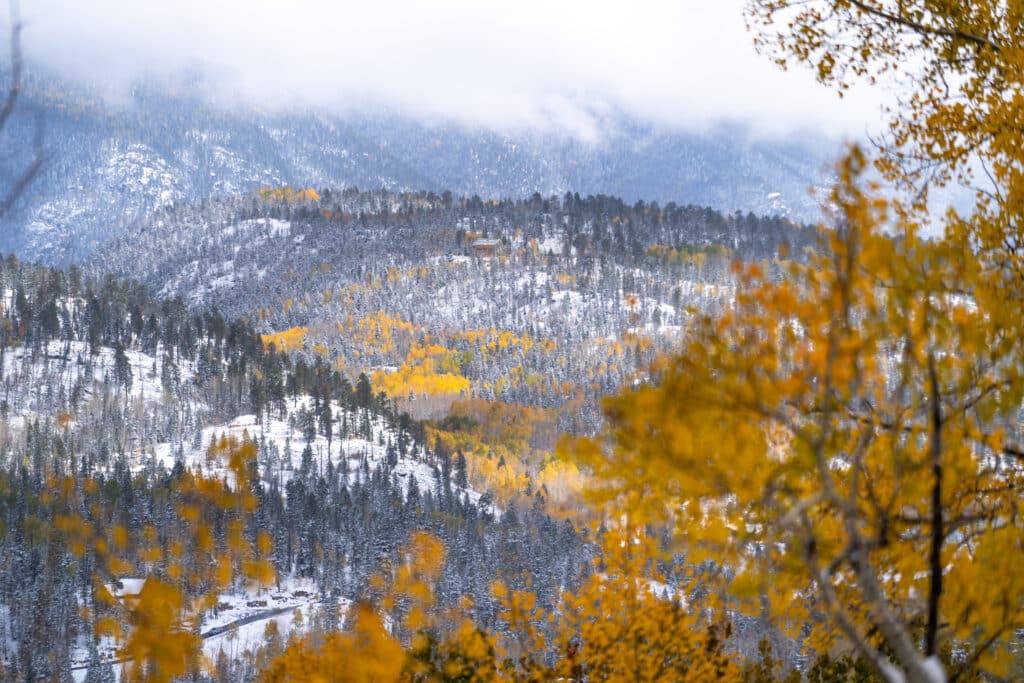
point(117, 163)
point(282, 450)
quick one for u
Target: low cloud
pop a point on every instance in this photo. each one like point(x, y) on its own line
point(528, 63)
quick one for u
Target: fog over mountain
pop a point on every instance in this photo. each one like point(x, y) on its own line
point(501, 65)
point(111, 162)
point(149, 104)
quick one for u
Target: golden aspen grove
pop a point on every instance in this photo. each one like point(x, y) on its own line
point(847, 440)
point(843, 442)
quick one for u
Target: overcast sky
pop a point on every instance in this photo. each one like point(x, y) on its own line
point(546, 63)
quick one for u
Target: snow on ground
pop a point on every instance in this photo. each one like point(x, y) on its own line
point(552, 244)
point(281, 445)
point(8, 646)
point(239, 622)
point(60, 366)
point(274, 226)
point(227, 274)
point(241, 619)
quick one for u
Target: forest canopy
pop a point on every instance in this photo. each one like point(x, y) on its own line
point(818, 479)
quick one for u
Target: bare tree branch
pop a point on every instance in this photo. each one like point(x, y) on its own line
point(937, 535)
point(13, 90)
point(925, 29)
point(30, 171)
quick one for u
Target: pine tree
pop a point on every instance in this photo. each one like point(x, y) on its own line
point(461, 479)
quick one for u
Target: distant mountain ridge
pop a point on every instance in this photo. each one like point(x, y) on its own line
point(110, 165)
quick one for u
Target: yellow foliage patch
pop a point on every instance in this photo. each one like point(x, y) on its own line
point(291, 339)
point(287, 195)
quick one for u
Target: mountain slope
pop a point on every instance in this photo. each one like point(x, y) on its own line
point(110, 164)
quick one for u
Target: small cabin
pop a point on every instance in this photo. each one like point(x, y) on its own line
point(486, 247)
